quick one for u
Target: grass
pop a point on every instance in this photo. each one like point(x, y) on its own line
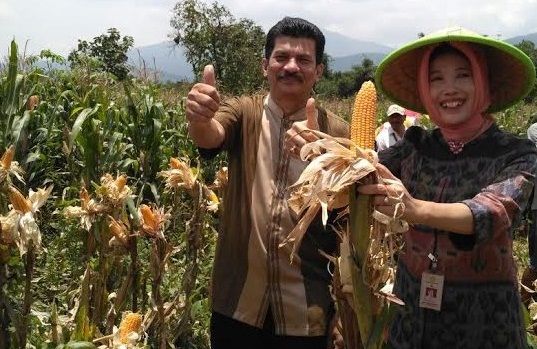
point(520, 248)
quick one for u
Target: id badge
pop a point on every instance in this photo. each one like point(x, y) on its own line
point(432, 287)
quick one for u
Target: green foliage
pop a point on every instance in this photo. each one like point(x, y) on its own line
point(528, 47)
point(105, 52)
point(517, 118)
point(340, 85)
point(83, 125)
point(212, 35)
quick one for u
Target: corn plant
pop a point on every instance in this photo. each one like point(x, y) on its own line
point(20, 232)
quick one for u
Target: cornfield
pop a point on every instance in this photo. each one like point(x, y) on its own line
point(108, 216)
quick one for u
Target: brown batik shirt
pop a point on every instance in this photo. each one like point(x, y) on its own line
point(251, 271)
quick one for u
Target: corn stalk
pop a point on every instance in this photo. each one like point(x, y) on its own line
point(181, 176)
point(372, 262)
point(360, 216)
point(364, 268)
point(29, 262)
point(5, 307)
point(365, 302)
point(159, 252)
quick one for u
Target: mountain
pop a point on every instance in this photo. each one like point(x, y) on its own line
point(166, 58)
point(169, 60)
point(518, 39)
point(338, 45)
point(347, 62)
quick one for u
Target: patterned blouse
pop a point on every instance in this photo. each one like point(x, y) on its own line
point(492, 175)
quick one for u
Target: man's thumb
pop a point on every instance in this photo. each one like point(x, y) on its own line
point(311, 115)
point(208, 75)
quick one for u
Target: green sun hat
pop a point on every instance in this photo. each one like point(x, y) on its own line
point(511, 71)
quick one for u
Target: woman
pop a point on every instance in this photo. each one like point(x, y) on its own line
point(465, 185)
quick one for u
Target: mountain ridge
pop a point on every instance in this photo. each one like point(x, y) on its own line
point(169, 60)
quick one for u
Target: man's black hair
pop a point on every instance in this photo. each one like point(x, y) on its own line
point(298, 28)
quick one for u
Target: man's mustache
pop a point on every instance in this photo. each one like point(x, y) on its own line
point(290, 76)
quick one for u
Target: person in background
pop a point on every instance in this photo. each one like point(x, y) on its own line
point(259, 299)
point(393, 131)
point(464, 185)
point(529, 276)
point(412, 118)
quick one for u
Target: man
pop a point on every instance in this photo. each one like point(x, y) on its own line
point(393, 130)
point(259, 298)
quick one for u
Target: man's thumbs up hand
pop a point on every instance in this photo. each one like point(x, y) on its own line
point(300, 132)
point(203, 99)
point(311, 115)
point(208, 75)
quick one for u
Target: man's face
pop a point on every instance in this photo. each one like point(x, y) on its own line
point(291, 69)
point(396, 120)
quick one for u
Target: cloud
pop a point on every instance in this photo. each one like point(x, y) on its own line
point(58, 24)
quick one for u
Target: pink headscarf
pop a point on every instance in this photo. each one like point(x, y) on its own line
point(479, 121)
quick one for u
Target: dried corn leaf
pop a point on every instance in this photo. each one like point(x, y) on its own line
point(336, 164)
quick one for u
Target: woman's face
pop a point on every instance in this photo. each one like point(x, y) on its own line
point(452, 87)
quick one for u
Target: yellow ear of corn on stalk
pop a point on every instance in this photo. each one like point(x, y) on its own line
point(148, 216)
point(364, 116)
point(118, 231)
point(131, 323)
point(8, 157)
point(120, 182)
point(19, 202)
point(360, 219)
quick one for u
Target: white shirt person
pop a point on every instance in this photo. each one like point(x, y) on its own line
point(393, 130)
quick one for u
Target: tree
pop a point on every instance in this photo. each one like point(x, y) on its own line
point(346, 84)
point(327, 60)
point(212, 35)
point(528, 47)
point(109, 52)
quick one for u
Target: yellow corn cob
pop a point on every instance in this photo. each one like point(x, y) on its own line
point(212, 197)
point(118, 231)
point(32, 102)
point(149, 217)
point(19, 202)
point(7, 157)
point(131, 323)
point(364, 116)
point(120, 182)
point(175, 163)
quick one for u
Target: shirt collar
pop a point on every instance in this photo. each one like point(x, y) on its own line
point(277, 111)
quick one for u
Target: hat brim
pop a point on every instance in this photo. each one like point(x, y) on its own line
point(511, 71)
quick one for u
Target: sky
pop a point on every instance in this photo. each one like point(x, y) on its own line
point(57, 25)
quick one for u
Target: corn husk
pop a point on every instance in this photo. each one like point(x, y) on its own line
point(368, 242)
